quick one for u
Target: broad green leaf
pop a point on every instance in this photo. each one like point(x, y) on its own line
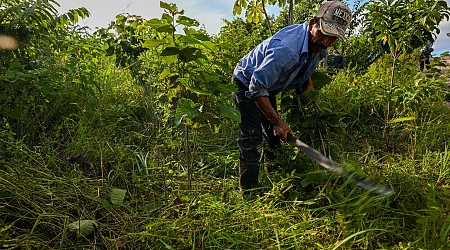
point(106, 204)
point(201, 37)
point(156, 23)
point(249, 19)
point(305, 182)
point(237, 10)
point(381, 37)
point(190, 54)
point(168, 28)
point(165, 73)
point(351, 79)
point(169, 59)
point(117, 196)
point(168, 6)
point(231, 57)
point(167, 17)
point(211, 46)
point(120, 18)
point(225, 67)
point(83, 227)
point(186, 108)
point(226, 88)
point(187, 21)
point(188, 40)
point(189, 84)
point(161, 25)
point(229, 112)
point(170, 51)
point(152, 43)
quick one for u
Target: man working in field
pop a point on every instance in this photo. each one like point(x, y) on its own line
point(284, 61)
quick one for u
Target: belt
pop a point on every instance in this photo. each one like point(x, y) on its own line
point(239, 84)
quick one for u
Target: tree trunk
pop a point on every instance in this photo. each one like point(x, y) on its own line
point(267, 17)
point(291, 12)
point(387, 125)
point(188, 160)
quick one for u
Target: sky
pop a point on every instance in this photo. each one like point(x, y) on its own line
point(208, 12)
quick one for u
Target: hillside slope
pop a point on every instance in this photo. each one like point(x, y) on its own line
point(445, 72)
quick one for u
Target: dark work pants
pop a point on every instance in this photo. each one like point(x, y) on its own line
point(253, 128)
point(424, 62)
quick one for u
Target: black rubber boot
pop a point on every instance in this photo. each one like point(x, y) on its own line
point(248, 175)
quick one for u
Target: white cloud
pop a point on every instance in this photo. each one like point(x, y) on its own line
point(442, 42)
point(105, 11)
point(208, 13)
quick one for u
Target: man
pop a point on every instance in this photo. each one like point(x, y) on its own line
point(425, 56)
point(335, 61)
point(284, 61)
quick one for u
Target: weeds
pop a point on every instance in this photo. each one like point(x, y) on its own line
point(112, 172)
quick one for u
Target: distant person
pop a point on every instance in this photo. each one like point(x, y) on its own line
point(425, 56)
point(335, 61)
point(284, 61)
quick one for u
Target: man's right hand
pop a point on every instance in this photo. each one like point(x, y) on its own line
point(281, 129)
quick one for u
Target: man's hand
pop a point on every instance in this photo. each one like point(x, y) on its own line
point(280, 128)
point(310, 87)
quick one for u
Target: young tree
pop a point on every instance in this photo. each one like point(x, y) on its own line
point(401, 26)
point(255, 10)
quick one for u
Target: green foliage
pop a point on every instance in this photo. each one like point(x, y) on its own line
point(117, 196)
point(360, 51)
point(36, 96)
point(35, 19)
point(192, 71)
point(186, 108)
point(90, 156)
point(83, 227)
point(303, 11)
point(401, 26)
point(123, 39)
point(241, 37)
point(255, 9)
point(364, 100)
point(405, 25)
point(31, 76)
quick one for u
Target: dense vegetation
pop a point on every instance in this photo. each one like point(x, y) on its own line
point(124, 138)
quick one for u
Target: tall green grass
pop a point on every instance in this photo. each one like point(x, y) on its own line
point(119, 139)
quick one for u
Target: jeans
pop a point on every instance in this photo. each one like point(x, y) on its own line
point(253, 128)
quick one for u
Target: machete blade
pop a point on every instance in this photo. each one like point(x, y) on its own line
point(337, 168)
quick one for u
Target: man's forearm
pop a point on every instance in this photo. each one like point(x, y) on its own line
point(280, 128)
point(266, 108)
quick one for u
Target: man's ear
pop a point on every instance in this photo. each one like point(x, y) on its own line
point(312, 21)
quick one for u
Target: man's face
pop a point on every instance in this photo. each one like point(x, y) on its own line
point(317, 40)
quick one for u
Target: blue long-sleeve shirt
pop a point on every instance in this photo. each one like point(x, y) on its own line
point(280, 62)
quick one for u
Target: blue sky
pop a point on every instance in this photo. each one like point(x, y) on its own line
point(208, 12)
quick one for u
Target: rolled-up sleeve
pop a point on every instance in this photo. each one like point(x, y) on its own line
point(278, 62)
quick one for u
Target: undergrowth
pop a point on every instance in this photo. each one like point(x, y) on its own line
point(121, 140)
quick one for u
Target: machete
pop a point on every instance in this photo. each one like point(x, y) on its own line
point(337, 168)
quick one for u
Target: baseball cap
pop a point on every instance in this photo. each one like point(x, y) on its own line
point(335, 18)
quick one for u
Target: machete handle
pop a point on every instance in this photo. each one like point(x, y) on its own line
point(291, 138)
